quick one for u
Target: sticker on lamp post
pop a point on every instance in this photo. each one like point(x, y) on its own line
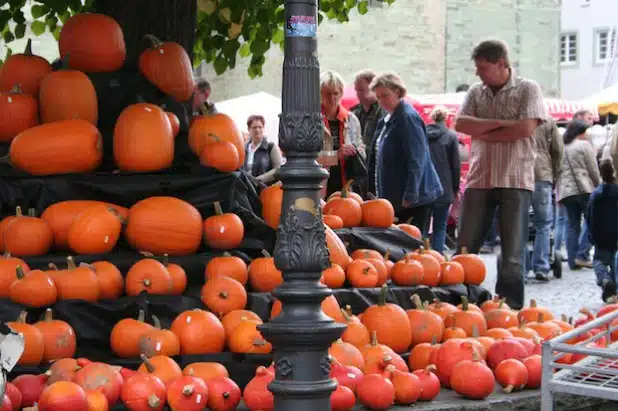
point(301, 26)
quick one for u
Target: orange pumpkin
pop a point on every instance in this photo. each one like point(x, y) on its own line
point(94, 41)
point(427, 326)
point(467, 319)
point(410, 229)
point(333, 276)
point(159, 341)
point(389, 322)
point(78, 283)
point(178, 276)
point(25, 69)
point(347, 354)
point(27, 236)
point(60, 216)
point(263, 274)
point(223, 231)
point(407, 272)
point(33, 340)
point(18, 112)
point(164, 225)
point(206, 370)
point(59, 339)
point(219, 125)
point(247, 339)
point(223, 294)
point(111, 282)
point(174, 122)
point(96, 230)
point(8, 268)
point(68, 95)
point(143, 139)
point(333, 221)
point(220, 155)
point(60, 147)
point(33, 290)
point(272, 198)
point(362, 274)
point(452, 273)
point(191, 327)
point(168, 66)
point(234, 317)
point(160, 366)
point(346, 208)
point(125, 335)
point(474, 267)
point(378, 212)
point(338, 253)
point(229, 265)
point(432, 272)
point(148, 275)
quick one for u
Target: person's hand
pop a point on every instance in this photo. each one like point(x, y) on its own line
point(406, 204)
point(347, 150)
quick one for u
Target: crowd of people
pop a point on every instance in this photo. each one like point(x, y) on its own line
point(518, 159)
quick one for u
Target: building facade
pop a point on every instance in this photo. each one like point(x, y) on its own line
point(428, 42)
point(588, 40)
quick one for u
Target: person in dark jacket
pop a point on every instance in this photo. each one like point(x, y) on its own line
point(400, 163)
point(444, 150)
point(263, 157)
point(603, 229)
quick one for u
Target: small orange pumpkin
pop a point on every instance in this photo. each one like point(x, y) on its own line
point(474, 267)
point(378, 212)
point(229, 265)
point(18, 112)
point(59, 339)
point(223, 231)
point(346, 208)
point(160, 366)
point(223, 294)
point(34, 345)
point(27, 236)
point(247, 339)
point(26, 69)
point(125, 335)
point(191, 326)
point(220, 155)
point(33, 290)
point(77, 283)
point(148, 275)
point(95, 230)
point(263, 274)
point(159, 341)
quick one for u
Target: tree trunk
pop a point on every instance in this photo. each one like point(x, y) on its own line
point(173, 20)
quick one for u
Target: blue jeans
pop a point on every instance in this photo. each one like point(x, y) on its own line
point(542, 219)
point(575, 206)
point(583, 252)
point(438, 228)
point(560, 226)
point(604, 264)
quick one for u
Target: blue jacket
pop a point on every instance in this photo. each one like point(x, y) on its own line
point(603, 216)
point(403, 162)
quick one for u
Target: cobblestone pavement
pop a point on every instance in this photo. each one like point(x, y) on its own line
point(575, 290)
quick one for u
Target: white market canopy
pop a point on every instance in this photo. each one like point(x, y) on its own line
point(262, 103)
point(606, 101)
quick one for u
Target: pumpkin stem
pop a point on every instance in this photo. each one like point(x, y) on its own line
point(348, 310)
point(149, 367)
point(426, 243)
point(464, 303)
point(6, 254)
point(387, 255)
point(19, 272)
point(416, 300)
point(187, 390)
point(141, 316)
point(266, 254)
point(153, 401)
point(345, 315)
point(226, 395)
point(430, 368)
point(23, 317)
point(153, 40)
point(165, 260)
point(374, 338)
point(16, 89)
point(508, 389)
point(48, 315)
point(18, 212)
point(533, 303)
point(383, 293)
point(564, 318)
point(28, 49)
point(475, 355)
point(346, 188)
point(371, 196)
point(223, 295)
point(147, 282)
point(409, 221)
point(571, 320)
point(71, 263)
point(226, 254)
point(464, 250)
point(52, 266)
point(218, 209)
point(156, 322)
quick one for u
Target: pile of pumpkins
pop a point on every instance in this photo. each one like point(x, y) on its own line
point(50, 117)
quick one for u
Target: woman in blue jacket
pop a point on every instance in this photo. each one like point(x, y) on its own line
point(400, 165)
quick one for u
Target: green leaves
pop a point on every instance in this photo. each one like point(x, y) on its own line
point(38, 27)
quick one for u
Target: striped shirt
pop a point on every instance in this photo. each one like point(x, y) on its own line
point(495, 164)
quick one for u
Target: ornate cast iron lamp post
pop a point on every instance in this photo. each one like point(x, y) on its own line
point(302, 333)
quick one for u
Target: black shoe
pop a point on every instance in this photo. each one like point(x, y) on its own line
point(542, 277)
point(609, 289)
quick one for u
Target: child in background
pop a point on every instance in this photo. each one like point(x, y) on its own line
point(603, 228)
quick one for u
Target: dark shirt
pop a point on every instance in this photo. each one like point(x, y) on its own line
point(368, 120)
point(334, 132)
point(603, 216)
point(444, 150)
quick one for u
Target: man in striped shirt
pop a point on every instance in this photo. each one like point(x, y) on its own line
point(500, 114)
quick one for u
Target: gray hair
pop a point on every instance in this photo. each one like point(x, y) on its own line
point(332, 80)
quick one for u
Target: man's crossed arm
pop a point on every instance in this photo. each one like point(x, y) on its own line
point(495, 130)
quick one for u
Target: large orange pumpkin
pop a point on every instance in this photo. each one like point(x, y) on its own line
point(143, 139)
point(168, 66)
point(25, 69)
point(18, 112)
point(96, 230)
point(272, 198)
point(27, 236)
point(338, 253)
point(67, 146)
point(218, 125)
point(94, 41)
point(164, 225)
point(67, 95)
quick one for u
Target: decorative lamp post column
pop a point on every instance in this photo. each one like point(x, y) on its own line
point(302, 333)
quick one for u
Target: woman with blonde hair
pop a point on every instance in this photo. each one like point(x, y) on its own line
point(399, 161)
point(344, 151)
point(444, 150)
